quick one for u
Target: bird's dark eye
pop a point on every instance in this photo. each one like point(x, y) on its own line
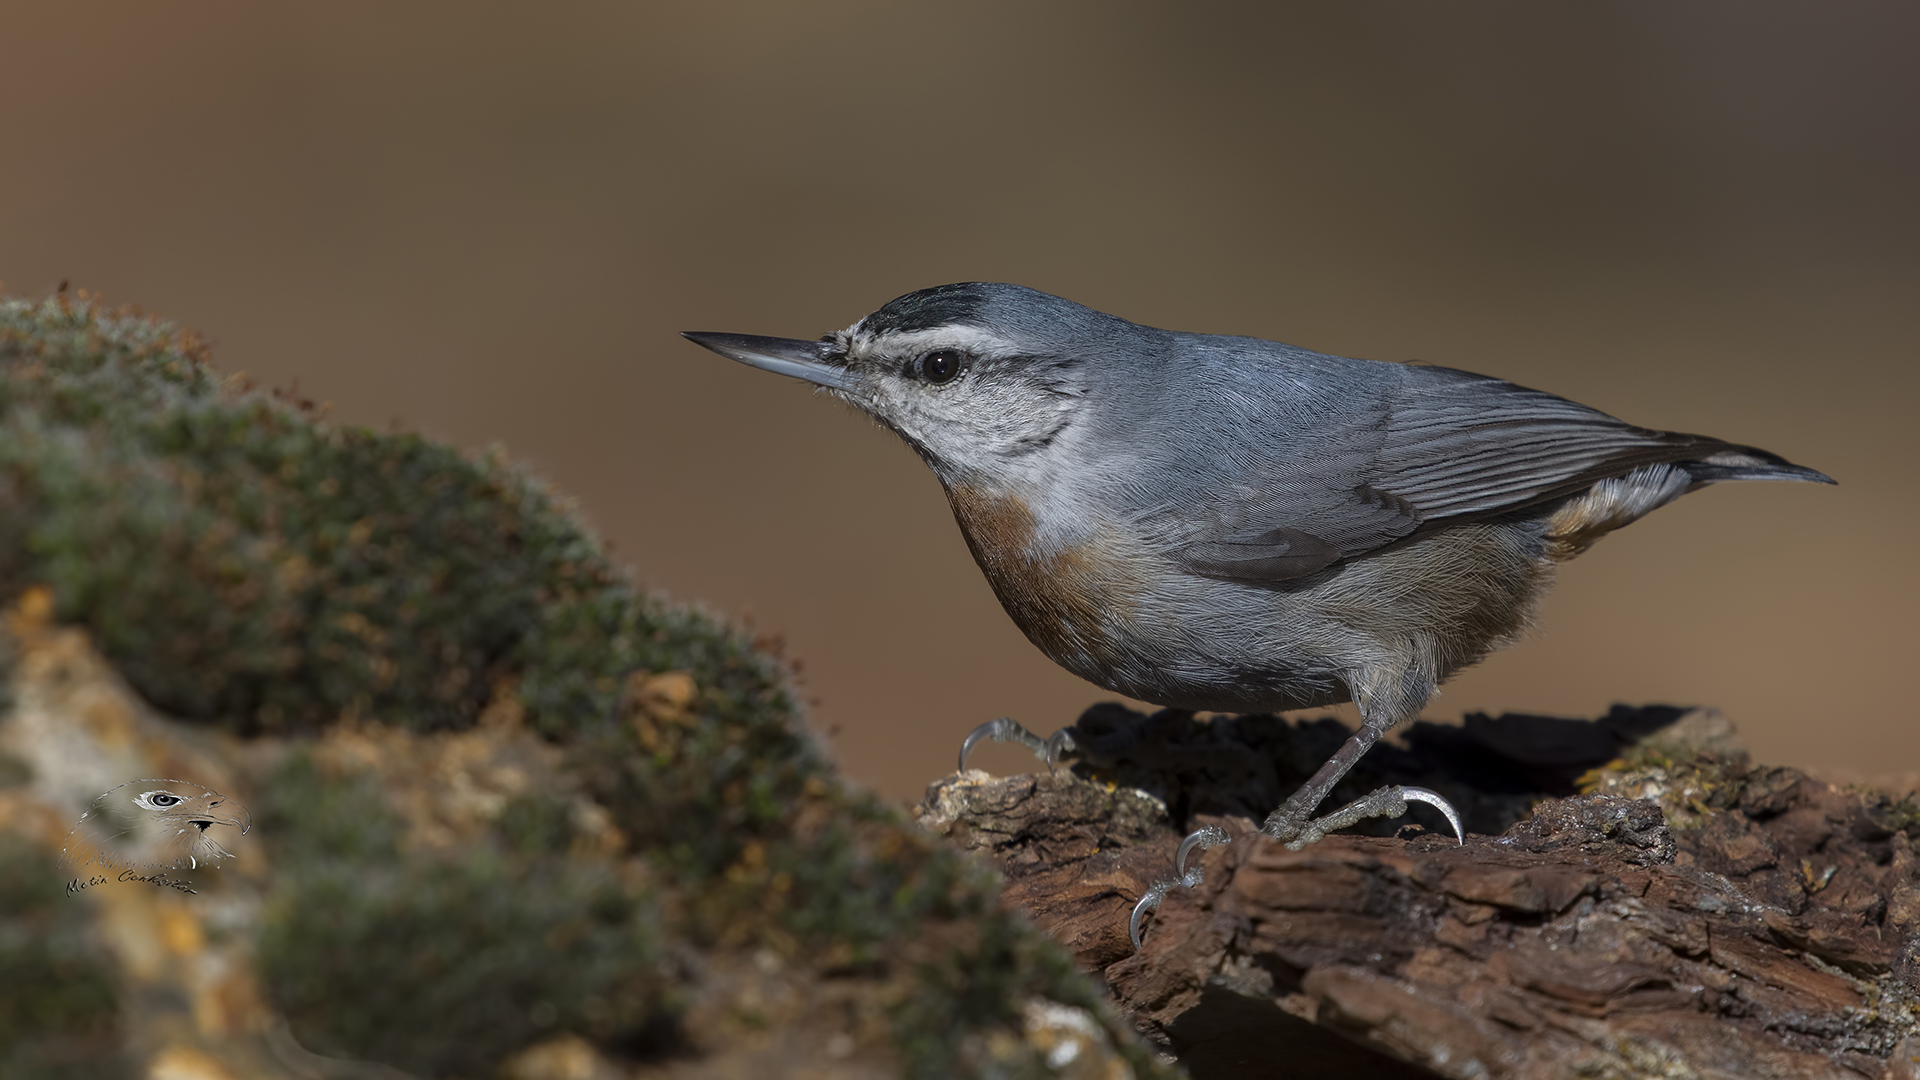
point(161, 798)
point(940, 365)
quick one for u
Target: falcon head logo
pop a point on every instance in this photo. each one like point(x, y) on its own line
point(154, 824)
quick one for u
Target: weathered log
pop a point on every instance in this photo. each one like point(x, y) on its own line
point(1654, 905)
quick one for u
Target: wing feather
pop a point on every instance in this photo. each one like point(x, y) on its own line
point(1442, 446)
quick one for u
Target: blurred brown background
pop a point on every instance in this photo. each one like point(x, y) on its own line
point(488, 221)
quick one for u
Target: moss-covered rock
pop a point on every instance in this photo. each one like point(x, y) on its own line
point(448, 961)
point(59, 999)
point(505, 796)
point(247, 566)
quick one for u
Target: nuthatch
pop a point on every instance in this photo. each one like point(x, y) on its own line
point(1231, 524)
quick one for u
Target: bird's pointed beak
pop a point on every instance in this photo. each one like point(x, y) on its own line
point(783, 356)
point(239, 818)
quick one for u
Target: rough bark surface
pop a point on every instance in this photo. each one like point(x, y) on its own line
point(1634, 898)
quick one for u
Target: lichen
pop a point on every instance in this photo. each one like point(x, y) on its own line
point(1688, 789)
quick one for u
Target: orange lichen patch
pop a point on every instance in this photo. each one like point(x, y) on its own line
point(57, 664)
point(24, 814)
point(448, 786)
point(568, 1057)
point(650, 700)
point(1066, 599)
point(109, 719)
point(594, 833)
point(224, 997)
point(58, 669)
point(665, 697)
point(229, 1001)
point(32, 612)
point(180, 930)
point(134, 931)
point(186, 1063)
point(504, 711)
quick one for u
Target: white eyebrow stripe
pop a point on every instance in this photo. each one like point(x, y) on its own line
point(970, 339)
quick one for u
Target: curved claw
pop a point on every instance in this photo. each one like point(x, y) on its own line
point(984, 731)
point(998, 730)
point(1004, 730)
point(1207, 836)
point(1210, 836)
point(1059, 745)
point(1433, 799)
point(1151, 900)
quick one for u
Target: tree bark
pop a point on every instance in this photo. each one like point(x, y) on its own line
point(1668, 909)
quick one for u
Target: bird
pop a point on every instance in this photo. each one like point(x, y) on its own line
point(1231, 524)
point(153, 824)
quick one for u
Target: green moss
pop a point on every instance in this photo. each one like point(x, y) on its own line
point(320, 571)
point(323, 568)
point(444, 964)
point(7, 648)
point(1689, 787)
point(58, 1009)
point(1899, 813)
point(535, 823)
point(980, 986)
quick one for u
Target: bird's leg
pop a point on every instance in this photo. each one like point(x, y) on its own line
point(1293, 823)
point(1290, 820)
point(1004, 730)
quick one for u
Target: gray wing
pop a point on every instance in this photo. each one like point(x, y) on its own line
point(1439, 447)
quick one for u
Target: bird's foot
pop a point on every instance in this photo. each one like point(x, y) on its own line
point(1050, 749)
point(1292, 831)
point(1291, 827)
point(1199, 840)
